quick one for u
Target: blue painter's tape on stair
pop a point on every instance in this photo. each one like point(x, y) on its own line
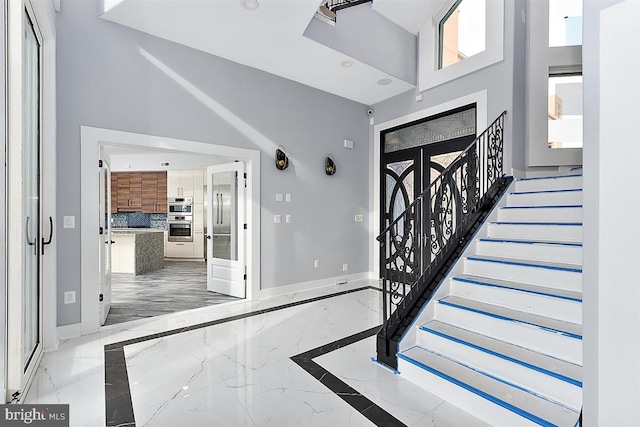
point(542, 207)
point(509, 319)
point(524, 264)
point(479, 392)
point(547, 191)
point(574, 224)
point(529, 242)
point(503, 356)
point(382, 365)
point(477, 282)
point(533, 178)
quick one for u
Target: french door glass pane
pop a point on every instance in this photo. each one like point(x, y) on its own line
point(31, 194)
point(225, 211)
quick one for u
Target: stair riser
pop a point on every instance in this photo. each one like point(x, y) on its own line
point(549, 184)
point(547, 233)
point(561, 198)
point(551, 278)
point(540, 214)
point(522, 376)
point(555, 308)
point(524, 335)
point(464, 399)
point(534, 252)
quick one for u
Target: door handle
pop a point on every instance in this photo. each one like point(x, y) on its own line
point(208, 237)
point(48, 242)
point(29, 242)
point(221, 211)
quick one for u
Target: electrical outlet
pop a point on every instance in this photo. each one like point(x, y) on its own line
point(69, 222)
point(70, 297)
point(345, 267)
point(316, 263)
point(278, 197)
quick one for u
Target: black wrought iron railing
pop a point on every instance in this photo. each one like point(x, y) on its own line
point(422, 243)
point(328, 8)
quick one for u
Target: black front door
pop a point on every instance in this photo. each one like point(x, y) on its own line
point(406, 173)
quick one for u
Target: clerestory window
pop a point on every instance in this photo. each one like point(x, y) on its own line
point(462, 32)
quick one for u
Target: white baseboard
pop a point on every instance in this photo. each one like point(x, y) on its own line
point(364, 277)
point(69, 331)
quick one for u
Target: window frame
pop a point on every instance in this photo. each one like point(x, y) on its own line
point(429, 75)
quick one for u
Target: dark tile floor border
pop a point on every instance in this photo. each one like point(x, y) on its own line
point(119, 406)
point(359, 402)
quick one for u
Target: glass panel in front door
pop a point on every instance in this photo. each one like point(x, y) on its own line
point(31, 194)
point(225, 213)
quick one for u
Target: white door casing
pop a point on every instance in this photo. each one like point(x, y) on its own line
point(225, 229)
point(92, 139)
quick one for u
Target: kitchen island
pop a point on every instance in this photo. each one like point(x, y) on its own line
point(137, 250)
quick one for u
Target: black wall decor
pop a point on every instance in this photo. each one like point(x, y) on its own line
point(282, 161)
point(329, 165)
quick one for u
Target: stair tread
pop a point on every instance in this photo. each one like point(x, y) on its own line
point(541, 290)
point(569, 329)
point(534, 223)
point(529, 263)
point(528, 241)
point(540, 362)
point(517, 400)
point(568, 190)
point(544, 207)
point(535, 178)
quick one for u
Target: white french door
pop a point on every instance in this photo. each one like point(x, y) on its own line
point(27, 235)
point(105, 241)
point(226, 271)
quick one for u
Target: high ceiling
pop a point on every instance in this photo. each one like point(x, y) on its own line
point(270, 38)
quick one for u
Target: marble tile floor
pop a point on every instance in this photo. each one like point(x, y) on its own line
point(179, 286)
point(281, 361)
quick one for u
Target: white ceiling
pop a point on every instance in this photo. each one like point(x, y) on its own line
point(270, 38)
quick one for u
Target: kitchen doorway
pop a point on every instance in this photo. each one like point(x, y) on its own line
point(156, 285)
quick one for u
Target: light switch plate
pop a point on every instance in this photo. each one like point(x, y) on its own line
point(348, 143)
point(279, 197)
point(359, 218)
point(287, 197)
point(287, 219)
point(69, 222)
point(277, 219)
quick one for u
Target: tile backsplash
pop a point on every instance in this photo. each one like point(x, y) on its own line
point(139, 220)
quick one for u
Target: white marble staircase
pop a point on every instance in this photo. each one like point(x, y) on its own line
point(504, 342)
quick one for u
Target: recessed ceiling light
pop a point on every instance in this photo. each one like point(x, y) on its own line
point(384, 82)
point(250, 4)
point(346, 64)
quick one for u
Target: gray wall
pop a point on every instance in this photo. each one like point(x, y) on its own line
point(503, 89)
point(364, 34)
point(104, 81)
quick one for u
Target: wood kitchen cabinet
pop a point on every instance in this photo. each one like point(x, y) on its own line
point(114, 193)
point(129, 186)
point(149, 192)
point(139, 192)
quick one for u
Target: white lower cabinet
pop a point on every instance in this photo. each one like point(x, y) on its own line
point(180, 249)
point(198, 244)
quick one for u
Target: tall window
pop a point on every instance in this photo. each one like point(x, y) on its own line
point(462, 32)
point(565, 23)
point(565, 111)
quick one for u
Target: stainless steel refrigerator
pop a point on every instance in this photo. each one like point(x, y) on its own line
point(224, 212)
